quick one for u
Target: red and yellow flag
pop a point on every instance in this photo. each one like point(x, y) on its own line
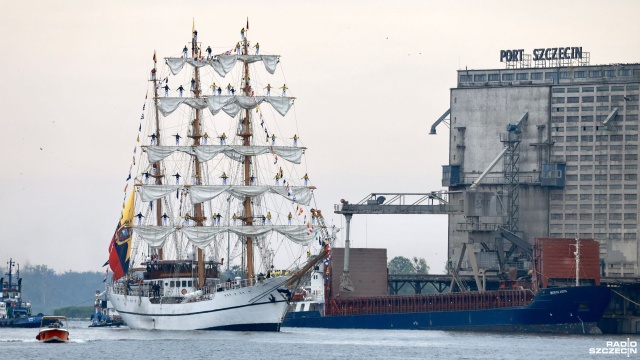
point(120, 246)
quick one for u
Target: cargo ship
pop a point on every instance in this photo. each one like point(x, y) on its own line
point(546, 303)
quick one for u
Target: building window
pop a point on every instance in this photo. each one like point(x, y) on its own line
point(631, 156)
point(564, 74)
point(494, 77)
point(586, 118)
point(602, 98)
point(599, 217)
point(481, 77)
point(584, 138)
point(587, 89)
point(573, 90)
point(633, 87)
point(572, 119)
point(585, 196)
point(507, 77)
point(616, 98)
point(573, 99)
point(630, 177)
point(572, 178)
point(616, 177)
point(617, 88)
point(631, 137)
point(609, 73)
point(595, 73)
point(631, 117)
point(616, 138)
point(586, 217)
point(522, 76)
point(572, 139)
point(602, 108)
point(631, 197)
point(536, 76)
point(580, 74)
point(573, 109)
point(558, 90)
point(600, 197)
point(557, 197)
point(587, 108)
point(556, 216)
point(615, 216)
point(615, 157)
point(465, 78)
point(557, 100)
point(624, 72)
point(587, 99)
point(601, 177)
point(549, 76)
point(602, 88)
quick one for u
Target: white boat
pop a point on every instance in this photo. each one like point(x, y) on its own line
point(193, 200)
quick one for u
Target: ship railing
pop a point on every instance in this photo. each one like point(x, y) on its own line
point(429, 303)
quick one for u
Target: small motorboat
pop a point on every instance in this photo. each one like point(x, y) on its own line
point(52, 330)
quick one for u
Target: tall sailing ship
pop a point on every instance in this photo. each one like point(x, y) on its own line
point(213, 175)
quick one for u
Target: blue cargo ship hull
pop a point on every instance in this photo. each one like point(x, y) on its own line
point(554, 310)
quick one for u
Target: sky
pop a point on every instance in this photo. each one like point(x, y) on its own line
point(370, 78)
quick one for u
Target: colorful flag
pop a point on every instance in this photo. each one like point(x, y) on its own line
point(120, 246)
point(247, 23)
point(154, 56)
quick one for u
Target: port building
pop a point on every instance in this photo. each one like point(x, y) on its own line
point(544, 147)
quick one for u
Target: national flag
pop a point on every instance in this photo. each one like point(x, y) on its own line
point(120, 246)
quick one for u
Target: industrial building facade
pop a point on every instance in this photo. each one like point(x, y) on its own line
point(568, 133)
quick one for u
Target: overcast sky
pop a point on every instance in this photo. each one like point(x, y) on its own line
point(370, 77)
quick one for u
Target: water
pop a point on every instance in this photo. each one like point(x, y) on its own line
point(121, 343)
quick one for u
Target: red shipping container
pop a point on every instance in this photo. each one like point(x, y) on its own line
point(555, 261)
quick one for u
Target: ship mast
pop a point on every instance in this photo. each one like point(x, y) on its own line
point(246, 141)
point(196, 142)
point(157, 175)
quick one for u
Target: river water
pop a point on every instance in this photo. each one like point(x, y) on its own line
point(298, 343)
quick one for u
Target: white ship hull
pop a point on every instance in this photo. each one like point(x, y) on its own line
point(253, 308)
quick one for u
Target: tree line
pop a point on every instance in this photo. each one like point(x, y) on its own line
point(48, 290)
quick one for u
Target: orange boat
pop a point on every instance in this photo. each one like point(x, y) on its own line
point(52, 330)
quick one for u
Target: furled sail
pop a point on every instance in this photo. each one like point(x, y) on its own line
point(205, 153)
point(201, 236)
point(230, 104)
point(201, 193)
point(222, 64)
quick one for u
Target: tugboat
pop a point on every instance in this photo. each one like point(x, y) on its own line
point(104, 315)
point(14, 312)
point(52, 330)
